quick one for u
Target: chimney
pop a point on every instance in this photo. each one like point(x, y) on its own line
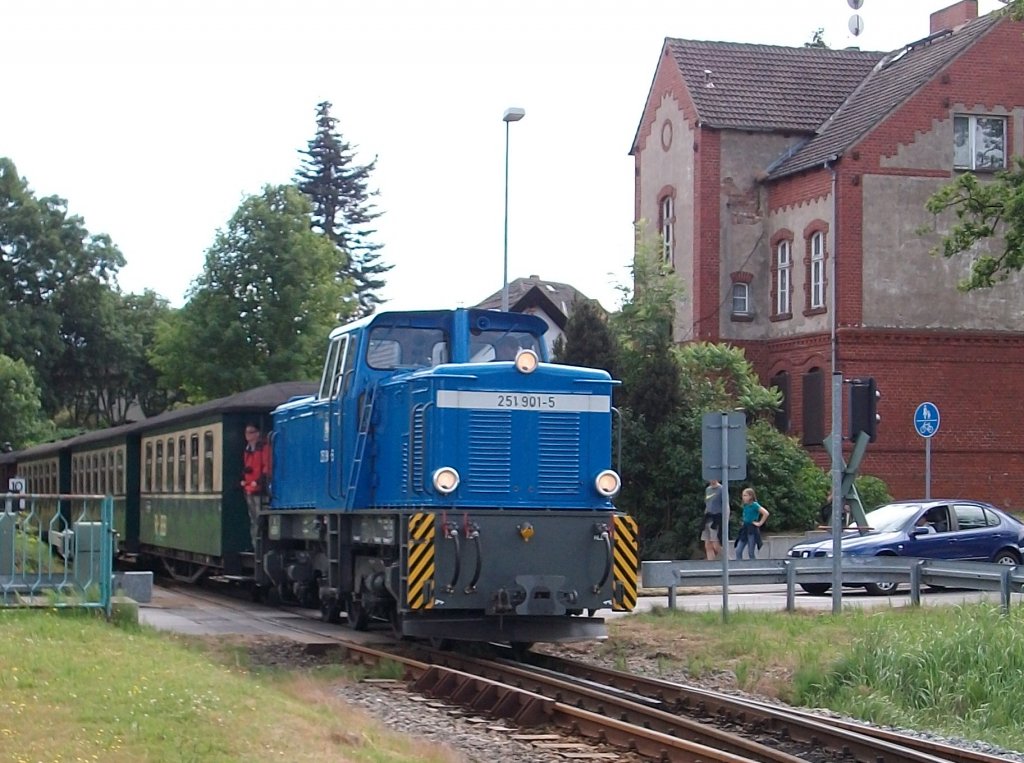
point(954, 16)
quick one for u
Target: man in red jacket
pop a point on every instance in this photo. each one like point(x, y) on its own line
point(256, 471)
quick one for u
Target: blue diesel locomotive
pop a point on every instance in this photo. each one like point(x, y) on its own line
point(432, 484)
point(442, 477)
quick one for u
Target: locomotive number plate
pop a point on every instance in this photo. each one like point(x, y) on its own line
point(523, 401)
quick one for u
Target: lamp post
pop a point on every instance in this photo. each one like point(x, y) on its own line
point(513, 114)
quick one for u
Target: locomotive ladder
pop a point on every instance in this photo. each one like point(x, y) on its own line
point(365, 416)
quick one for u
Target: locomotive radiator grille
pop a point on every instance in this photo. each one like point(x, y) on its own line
point(414, 456)
point(419, 594)
point(626, 563)
point(558, 450)
point(489, 438)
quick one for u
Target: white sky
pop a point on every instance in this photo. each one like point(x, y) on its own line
point(154, 119)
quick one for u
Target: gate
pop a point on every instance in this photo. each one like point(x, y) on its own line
point(56, 551)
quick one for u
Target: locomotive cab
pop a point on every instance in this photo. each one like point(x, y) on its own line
point(446, 478)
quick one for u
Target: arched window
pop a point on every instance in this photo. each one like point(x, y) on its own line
point(814, 407)
point(782, 417)
point(817, 268)
point(783, 278)
point(740, 299)
point(668, 216)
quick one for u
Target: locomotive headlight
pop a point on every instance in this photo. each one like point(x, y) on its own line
point(446, 479)
point(526, 361)
point(607, 483)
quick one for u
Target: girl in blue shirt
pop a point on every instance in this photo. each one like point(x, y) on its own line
point(754, 516)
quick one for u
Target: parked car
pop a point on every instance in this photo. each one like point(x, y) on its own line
point(958, 528)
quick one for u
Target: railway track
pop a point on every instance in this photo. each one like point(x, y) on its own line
point(652, 719)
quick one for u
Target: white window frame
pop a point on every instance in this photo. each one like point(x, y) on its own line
point(967, 151)
point(740, 299)
point(667, 216)
point(817, 270)
point(783, 277)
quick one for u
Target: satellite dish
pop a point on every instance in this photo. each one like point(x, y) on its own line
point(855, 4)
point(856, 24)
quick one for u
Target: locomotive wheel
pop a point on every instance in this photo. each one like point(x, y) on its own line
point(358, 616)
point(330, 612)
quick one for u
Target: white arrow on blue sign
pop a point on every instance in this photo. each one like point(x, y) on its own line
point(926, 419)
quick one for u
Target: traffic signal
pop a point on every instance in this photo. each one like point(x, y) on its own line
point(864, 416)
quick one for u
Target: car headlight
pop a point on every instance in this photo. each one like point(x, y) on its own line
point(526, 361)
point(445, 480)
point(607, 483)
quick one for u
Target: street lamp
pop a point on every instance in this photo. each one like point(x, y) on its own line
point(513, 114)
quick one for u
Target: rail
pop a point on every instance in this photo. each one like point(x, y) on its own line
point(856, 571)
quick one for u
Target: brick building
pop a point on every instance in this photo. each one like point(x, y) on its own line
point(789, 187)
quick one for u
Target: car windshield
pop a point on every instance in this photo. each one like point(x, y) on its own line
point(892, 516)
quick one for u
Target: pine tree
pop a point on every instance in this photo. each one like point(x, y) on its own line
point(342, 207)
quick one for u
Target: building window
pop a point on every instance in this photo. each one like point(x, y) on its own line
point(814, 407)
point(817, 270)
point(668, 216)
point(781, 382)
point(740, 299)
point(783, 278)
point(979, 142)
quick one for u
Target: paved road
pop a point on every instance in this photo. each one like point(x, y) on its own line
point(179, 612)
point(773, 598)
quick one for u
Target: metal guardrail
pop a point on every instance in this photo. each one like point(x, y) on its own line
point(56, 551)
point(856, 571)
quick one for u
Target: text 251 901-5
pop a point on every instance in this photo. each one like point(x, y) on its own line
point(535, 402)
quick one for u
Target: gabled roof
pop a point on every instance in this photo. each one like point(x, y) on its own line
point(768, 87)
point(895, 79)
point(556, 299)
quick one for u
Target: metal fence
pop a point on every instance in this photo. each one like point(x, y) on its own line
point(56, 551)
point(856, 571)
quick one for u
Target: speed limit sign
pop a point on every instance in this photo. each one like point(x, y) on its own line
point(16, 485)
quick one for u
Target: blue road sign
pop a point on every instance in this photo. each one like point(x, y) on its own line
point(926, 419)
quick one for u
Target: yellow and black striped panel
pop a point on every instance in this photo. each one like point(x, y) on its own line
point(626, 564)
point(420, 581)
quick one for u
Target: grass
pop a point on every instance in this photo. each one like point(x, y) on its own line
point(955, 671)
point(76, 688)
point(31, 556)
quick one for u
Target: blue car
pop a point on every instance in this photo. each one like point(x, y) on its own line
point(956, 528)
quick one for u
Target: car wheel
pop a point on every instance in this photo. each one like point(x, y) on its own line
point(815, 589)
point(1006, 557)
point(881, 589)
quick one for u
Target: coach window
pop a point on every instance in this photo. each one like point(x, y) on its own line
point(147, 472)
point(193, 459)
point(169, 473)
point(158, 478)
point(119, 472)
point(208, 461)
point(101, 477)
point(182, 456)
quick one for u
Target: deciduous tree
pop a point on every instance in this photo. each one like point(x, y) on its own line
point(22, 423)
point(260, 312)
point(47, 260)
point(986, 211)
